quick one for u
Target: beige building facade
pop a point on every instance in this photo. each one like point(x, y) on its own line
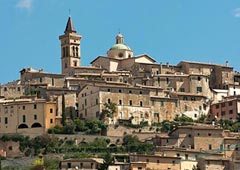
point(26, 116)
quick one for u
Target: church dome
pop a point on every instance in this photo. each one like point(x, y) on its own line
point(120, 47)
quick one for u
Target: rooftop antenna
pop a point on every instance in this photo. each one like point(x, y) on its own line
point(69, 12)
point(119, 31)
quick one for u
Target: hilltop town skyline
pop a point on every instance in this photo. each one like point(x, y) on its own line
point(168, 32)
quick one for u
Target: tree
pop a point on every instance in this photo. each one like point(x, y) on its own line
point(80, 125)
point(107, 160)
point(202, 118)
point(108, 111)
point(63, 111)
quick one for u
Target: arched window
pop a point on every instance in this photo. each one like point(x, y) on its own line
point(76, 51)
point(66, 52)
point(22, 126)
point(73, 51)
point(63, 52)
point(36, 125)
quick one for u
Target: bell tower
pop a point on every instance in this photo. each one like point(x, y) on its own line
point(70, 48)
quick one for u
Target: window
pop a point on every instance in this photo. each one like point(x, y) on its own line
point(23, 107)
point(75, 63)
point(35, 117)
point(199, 78)
point(223, 113)
point(193, 99)
point(217, 106)
point(6, 120)
point(91, 165)
point(51, 110)
point(156, 115)
point(223, 105)
point(96, 101)
point(108, 90)
point(210, 147)
point(140, 92)
point(228, 147)
point(185, 98)
point(162, 103)
point(51, 121)
point(130, 91)
point(120, 102)
point(85, 102)
point(186, 156)
point(199, 89)
point(221, 147)
point(66, 51)
point(24, 118)
point(73, 50)
point(209, 134)
point(65, 65)
point(178, 155)
point(167, 80)
point(147, 160)
point(69, 165)
point(6, 109)
point(63, 51)
point(18, 89)
point(10, 148)
point(76, 51)
point(195, 115)
point(12, 109)
point(230, 111)
point(97, 114)
point(130, 102)
point(230, 103)
point(120, 55)
point(157, 161)
point(5, 88)
point(35, 106)
point(109, 100)
point(53, 82)
point(182, 89)
point(40, 79)
point(120, 91)
point(141, 103)
point(81, 165)
point(186, 108)
point(173, 162)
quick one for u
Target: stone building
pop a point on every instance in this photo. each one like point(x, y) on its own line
point(132, 103)
point(27, 116)
point(201, 138)
point(228, 108)
point(84, 163)
point(155, 162)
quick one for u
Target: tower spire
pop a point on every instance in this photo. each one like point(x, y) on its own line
point(69, 27)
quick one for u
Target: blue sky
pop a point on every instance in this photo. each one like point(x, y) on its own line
point(167, 30)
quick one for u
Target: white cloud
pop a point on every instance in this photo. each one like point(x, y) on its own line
point(24, 4)
point(236, 12)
